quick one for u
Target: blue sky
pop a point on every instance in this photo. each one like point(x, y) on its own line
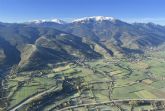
point(127, 10)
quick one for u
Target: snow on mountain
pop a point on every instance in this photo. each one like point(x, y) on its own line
point(37, 21)
point(82, 20)
point(53, 21)
point(58, 21)
point(95, 18)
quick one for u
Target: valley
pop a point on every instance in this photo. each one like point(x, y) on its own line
point(90, 64)
point(82, 55)
point(115, 83)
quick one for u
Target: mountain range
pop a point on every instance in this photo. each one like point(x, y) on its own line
point(41, 43)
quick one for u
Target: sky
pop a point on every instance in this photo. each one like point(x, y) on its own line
point(126, 10)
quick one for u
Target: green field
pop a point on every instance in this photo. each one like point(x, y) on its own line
point(102, 80)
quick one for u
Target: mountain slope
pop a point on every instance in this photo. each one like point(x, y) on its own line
point(114, 34)
point(118, 33)
point(39, 44)
point(34, 47)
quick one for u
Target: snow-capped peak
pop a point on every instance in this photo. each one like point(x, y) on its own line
point(37, 21)
point(95, 18)
point(58, 21)
point(53, 20)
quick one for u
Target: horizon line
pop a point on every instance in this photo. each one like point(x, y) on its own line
point(158, 21)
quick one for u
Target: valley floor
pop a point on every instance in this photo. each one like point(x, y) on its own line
point(112, 84)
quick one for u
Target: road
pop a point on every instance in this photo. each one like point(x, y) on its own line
point(107, 102)
point(32, 98)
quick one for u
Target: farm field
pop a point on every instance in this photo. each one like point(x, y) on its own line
point(92, 82)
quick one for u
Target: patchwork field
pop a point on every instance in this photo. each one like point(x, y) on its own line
point(92, 82)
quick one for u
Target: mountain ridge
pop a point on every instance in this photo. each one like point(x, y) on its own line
point(61, 21)
point(36, 45)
